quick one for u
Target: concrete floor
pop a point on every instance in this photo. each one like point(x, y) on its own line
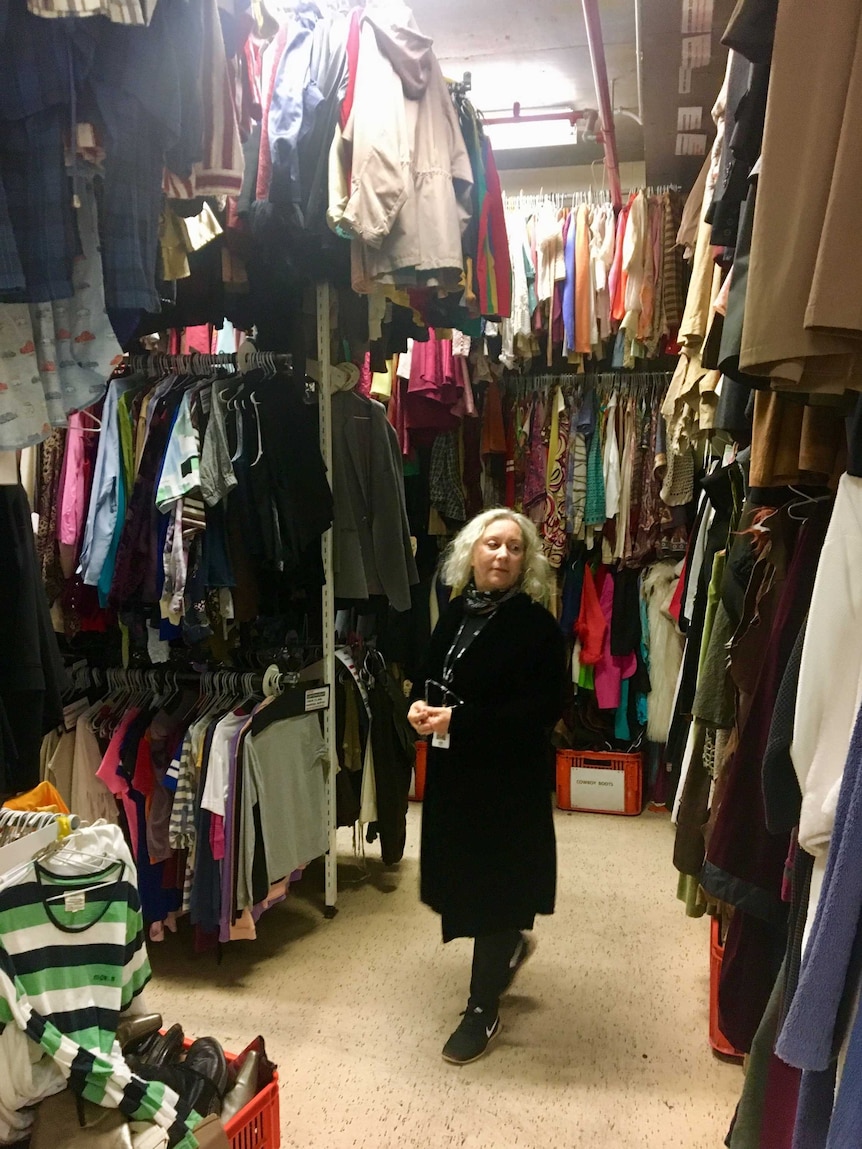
point(604, 1043)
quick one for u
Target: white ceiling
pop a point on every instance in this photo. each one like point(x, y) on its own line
point(535, 53)
point(532, 53)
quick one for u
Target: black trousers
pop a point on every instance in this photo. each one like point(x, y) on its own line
point(492, 954)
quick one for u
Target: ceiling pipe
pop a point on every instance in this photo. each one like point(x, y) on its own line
point(639, 58)
point(603, 96)
point(537, 117)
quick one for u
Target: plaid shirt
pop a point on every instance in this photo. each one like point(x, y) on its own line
point(39, 236)
point(36, 55)
point(11, 272)
point(118, 11)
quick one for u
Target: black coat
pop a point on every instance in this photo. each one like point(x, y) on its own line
point(488, 848)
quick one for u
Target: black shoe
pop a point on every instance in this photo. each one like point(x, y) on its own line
point(472, 1037)
point(523, 952)
point(162, 1049)
point(207, 1062)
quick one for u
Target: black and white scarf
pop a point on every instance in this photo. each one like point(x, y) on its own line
point(479, 603)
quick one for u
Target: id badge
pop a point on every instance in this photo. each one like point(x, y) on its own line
point(441, 741)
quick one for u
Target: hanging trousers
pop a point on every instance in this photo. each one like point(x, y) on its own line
point(492, 954)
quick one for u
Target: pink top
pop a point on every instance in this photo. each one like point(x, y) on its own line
point(71, 507)
point(115, 782)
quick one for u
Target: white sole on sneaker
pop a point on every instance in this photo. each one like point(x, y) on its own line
point(479, 1056)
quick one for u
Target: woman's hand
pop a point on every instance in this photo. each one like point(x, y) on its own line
point(427, 719)
point(417, 716)
point(438, 719)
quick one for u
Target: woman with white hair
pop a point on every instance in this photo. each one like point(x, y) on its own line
point(493, 690)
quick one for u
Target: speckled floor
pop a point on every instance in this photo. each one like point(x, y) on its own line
point(604, 1043)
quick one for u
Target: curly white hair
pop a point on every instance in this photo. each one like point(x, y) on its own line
point(457, 567)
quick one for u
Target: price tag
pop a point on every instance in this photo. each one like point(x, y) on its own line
point(317, 699)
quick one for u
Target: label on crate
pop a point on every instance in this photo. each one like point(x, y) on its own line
point(596, 789)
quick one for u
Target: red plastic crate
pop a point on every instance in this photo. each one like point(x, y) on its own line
point(258, 1124)
point(417, 786)
point(603, 783)
point(716, 956)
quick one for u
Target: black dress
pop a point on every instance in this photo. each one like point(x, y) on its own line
point(488, 846)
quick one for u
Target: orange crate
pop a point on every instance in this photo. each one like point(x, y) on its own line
point(417, 785)
point(594, 782)
point(716, 956)
point(258, 1124)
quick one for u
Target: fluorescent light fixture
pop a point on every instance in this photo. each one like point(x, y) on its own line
point(544, 134)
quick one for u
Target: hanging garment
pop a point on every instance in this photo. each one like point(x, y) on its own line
point(554, 525)
point(570, 232)
point(665, 647)
point(536, 462)
point(284, 761)
point(611, 669)
point(586, 329)
point(824, 701)
point(406, 201)
point(591, 628)
point(611, 459)
point(393, 743)
point(373, 553)
point(445, 489)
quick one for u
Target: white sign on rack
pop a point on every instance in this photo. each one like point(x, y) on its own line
point(696, 16)
point(696, 51)
point(689, 119)
point(317, 699)
point(691, 144)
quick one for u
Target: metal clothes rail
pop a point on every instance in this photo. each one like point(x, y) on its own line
point(198, 363)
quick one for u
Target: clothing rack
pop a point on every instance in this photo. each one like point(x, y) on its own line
point(631, 383)
point(198, 363)
point(628, 383)
point(159, 678)
point(247, 359)
point(460, 88)
point(593, 197)
point(25, 833)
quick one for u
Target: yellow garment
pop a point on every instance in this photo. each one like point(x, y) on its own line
point(200, 229)
point(382, 382)
point(172, 242)
point(554, 439)
point(43, 797)
point(179, 236)
point(141, 431)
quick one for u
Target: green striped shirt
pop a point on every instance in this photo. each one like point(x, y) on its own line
point(72, 958)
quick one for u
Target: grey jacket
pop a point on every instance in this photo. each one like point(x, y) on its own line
point(372, 549)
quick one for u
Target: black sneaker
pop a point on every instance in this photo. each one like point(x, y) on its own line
point(472, 1037)
point(525, 949)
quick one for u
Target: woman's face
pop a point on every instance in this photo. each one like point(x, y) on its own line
point(498, 557)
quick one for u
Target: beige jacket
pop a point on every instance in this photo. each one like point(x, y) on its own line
point(406, 201)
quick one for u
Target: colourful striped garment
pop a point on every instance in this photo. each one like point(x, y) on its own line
point(72, 957)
